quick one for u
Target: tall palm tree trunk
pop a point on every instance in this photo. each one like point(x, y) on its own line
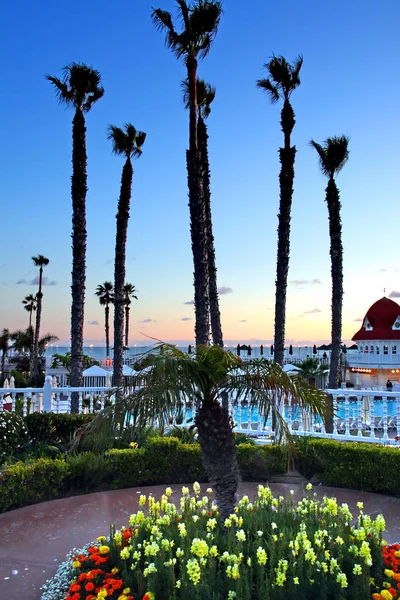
point(336, 252)
point(107, 328)
point(199, 249)
point(286, 178)
point(30, 318)
point(218, 452)
point(127, 325)
point(34, 359)
point(79, 235)
point(215, 315)
point(197, 215)
point(119, 270)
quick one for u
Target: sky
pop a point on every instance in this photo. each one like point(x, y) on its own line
point(349, 86)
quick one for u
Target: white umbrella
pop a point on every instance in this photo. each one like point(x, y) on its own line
point(305, 419)
point(54, 381)
point(358, 380)
point(12, 382)
point(108, 380)
point(365, 407)
point(6, 384)
point(291, 368)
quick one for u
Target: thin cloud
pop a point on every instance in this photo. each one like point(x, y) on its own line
point(222, 291)
point(147, 321)
point(382, 271)
point(186, 319)
point(93, 323)
point(394, 294)
point(298, 282)
point(35, 281)
point(189, 302)
point(242, 321)
point(313, 311)
point(359, 319)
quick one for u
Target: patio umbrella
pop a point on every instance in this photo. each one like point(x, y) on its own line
point(365, 408)
point(108, 380)
point(305, 420)
point(358, 380)
point(54, 381)
point(12, 382)
point(6, 384)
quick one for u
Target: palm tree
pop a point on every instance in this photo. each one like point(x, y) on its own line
point(200, 24)
point(80, 87)
point(310, 369)
point(205, 96)
point(23, 342)
point(333, 155)
point(4, 345)
point(105, 293)
point(176, 377)
point(125, 142)
point(283, 80)
point(29, 303)
point(41, 262)
point(129, 293)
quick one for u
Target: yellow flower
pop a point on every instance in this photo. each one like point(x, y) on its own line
point(104, 550)
point(115, 570)
point(101, 538)
point(76, 564)
point(134, 445)
point(386, 595)
point(126, 591)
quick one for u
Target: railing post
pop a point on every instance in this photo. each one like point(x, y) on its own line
point(47, 388)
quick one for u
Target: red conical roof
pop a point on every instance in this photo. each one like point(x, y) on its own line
point(381, 316)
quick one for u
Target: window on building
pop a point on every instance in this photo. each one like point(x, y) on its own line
point(361, 348)
point(372, 349)
point(377, 349)
point(394, 349)
point(385, 349)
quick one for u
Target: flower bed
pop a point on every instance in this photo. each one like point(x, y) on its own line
point(269, 549)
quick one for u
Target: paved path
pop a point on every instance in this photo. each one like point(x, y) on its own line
point(35, 539)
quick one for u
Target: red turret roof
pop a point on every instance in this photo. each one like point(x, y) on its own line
point(379, 321)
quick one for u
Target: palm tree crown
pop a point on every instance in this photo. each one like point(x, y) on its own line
point(333, 155)
point(126, 141)
point(130, 292)
point(283, 78)
point(200, 24)
point(105, 293)
point(40, 261)
point(29, 303)
point(80, 86)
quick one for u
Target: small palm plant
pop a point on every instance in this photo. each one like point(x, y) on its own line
point(204, 380)
point(129, 293)
point(29, 303)
point(80, 87)
point(283, 79)
point(125, 142)
point(41, 262)
point(105, 294)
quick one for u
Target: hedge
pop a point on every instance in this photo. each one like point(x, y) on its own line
point(161, 460)
point(362, 466)
point(55, 427)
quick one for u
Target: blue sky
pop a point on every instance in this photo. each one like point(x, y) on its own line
point(349, 86)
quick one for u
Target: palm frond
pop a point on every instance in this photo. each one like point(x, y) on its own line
point(40, 260)
point(267, 86)
point(63, 93)
point(333, 155)
point(118, 139)
point(183, 12)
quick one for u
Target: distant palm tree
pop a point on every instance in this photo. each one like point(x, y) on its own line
point(41, 262)
point(283, 80)
point(29, 303)
point(80, 87)
point(125, 142)
point(200, 24)
point(129, 292)
point(22, 342)
point(4, 345)
point(105, 293)
point(333, 155)
point(205, 96)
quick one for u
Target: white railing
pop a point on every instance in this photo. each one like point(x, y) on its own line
point(359, 415)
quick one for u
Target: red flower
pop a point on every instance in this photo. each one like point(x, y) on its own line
point(89, 587)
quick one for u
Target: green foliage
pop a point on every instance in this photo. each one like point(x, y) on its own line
point(88, 472)
point(187, 435)
point(13, 434)
point(23, 484)
point(362, 466)
point(257, 463)
point(64, 360)
point(20, 380)
point(243, 438)
point(50, 426)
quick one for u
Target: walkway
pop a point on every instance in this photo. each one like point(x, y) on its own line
point(35, 539)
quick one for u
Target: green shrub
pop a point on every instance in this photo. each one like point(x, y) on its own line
point(257, 463)
point(56, 427)
point(13, 434)
point(23, 484)
point(88, 472)
point(362, 466)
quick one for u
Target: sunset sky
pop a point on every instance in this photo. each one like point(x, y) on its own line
point(349, 85)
